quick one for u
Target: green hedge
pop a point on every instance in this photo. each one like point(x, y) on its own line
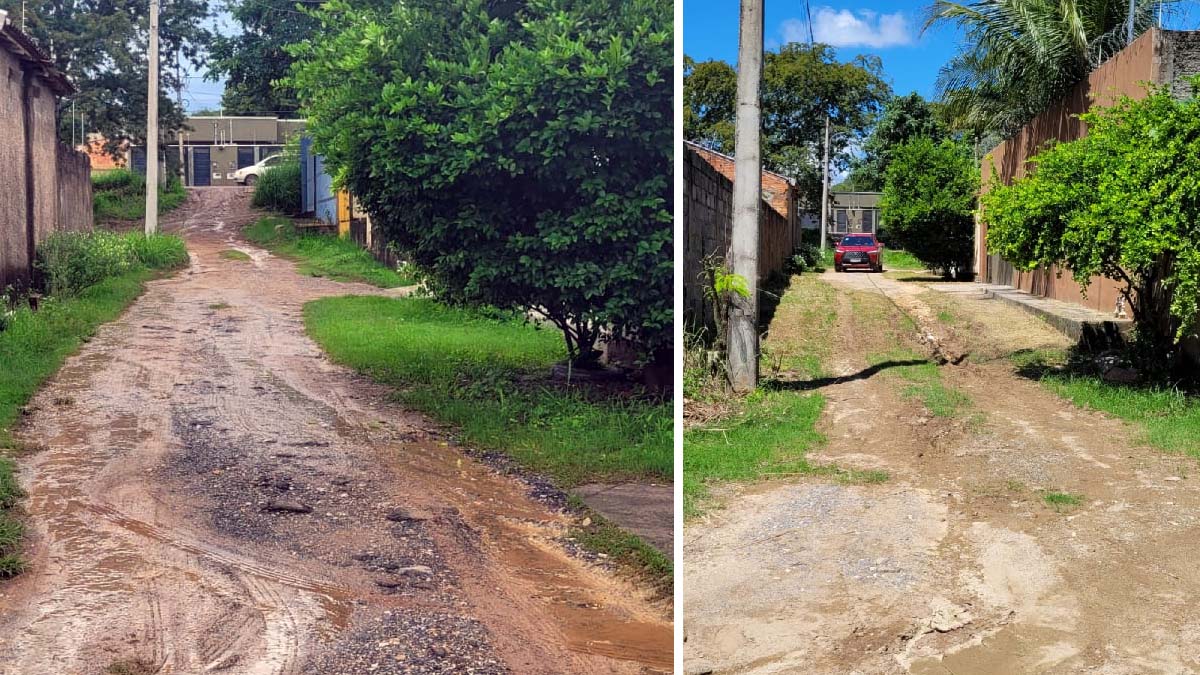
point(68, 262)
point(279, 189)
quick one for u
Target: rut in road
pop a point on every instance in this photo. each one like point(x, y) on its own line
point(215, 496)
point(954, 564)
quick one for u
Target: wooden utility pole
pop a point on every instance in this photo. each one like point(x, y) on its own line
point(747, 199)
point(152, 127)
point(825, 188)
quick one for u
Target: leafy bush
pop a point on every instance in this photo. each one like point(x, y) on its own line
point(279, 189)
point(807, 256)
point(1121, 203)
point(121, 195)
point(525, 163)
point(928, 203)
point(69, 262)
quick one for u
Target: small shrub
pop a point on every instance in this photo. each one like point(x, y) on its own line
point(279, 189)
point(68, 262)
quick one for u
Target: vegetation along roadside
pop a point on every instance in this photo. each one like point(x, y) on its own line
point(324, 255)
point(120, 194)
point(488, 374)
point(90, 278)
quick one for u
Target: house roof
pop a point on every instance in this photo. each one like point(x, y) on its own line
point(13, 40)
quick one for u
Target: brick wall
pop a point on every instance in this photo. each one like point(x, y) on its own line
point(14, 258)
point(707, 225)
point(778, 192)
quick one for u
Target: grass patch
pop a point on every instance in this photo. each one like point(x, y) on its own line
point(771, 435)
point(1061, 500)
point(234, 254)
point(798, 338)
point(487, 374)
point(219, 306)
point(1168, 419)
point(924, 383)
point(899, 259)
point(121, 195)
point(322, 255)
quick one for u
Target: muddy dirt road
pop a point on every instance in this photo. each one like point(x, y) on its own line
point(214, 496)
point(955, 564)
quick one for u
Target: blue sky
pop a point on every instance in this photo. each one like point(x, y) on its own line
point(888, 28)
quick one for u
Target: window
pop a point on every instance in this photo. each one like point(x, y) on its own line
point(841, 220)
point(272, 161)
point(868, 220)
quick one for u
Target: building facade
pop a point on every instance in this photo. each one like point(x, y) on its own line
point(213, 147)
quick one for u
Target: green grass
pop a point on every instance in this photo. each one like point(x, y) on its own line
point(487, 375)
point(33, 345)
point(1168, 419)
point(923, 381)
point(234, 254)
point(798, 339)
point(1061, 500)
point(897, 259)
point(121, 195)
point(322, 255)
point(771, 435)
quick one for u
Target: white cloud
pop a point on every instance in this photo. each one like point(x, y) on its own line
point(844, 28)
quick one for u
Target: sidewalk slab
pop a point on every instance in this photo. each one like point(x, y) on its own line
point(646, 510)
point(1090, 327)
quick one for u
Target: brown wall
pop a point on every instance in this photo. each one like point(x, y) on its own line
point(41, 191)
point(74, 190)
point(14, 259)
point(707, 224)
point(1160, 57)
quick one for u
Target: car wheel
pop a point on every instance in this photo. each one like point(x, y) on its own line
point(251, 180)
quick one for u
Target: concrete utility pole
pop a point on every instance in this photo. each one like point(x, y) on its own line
point(825, 188)
point(152, 127)
point(747, 200)
point(179, 133)
point(1129, 22)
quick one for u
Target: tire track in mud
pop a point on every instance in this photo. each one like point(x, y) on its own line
point(955, 564)
point(219, 497)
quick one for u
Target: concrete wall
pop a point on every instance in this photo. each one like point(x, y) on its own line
point(707, 225)
point(74, 190)
point(1159, 57)
point(14, 258)
point(44, 186)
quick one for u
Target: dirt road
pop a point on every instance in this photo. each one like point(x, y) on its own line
point(955, 564)
point(214, 496)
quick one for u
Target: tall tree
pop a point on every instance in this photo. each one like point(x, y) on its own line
point(254, 62)
point(903, 117)
point(1019, 56)
point(521, 161)
point(101, 46)
point(800, 86)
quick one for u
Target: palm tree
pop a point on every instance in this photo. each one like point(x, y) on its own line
point(1019, 56)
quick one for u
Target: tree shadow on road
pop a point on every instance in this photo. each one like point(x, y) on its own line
point(809, 385)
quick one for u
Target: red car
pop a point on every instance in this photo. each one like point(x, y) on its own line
point(858, 251)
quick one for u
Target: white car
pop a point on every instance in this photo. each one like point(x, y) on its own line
point(249, 175)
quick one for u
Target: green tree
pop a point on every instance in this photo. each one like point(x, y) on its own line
point(1120, 203)
point(522, 159)
point(1019, 56)
point(903, 117)
point(928, 202)
point(709, 98)
point(101, 45)
point(801, 85)
point(254, 62)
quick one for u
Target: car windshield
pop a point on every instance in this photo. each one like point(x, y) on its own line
point(858, 241)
